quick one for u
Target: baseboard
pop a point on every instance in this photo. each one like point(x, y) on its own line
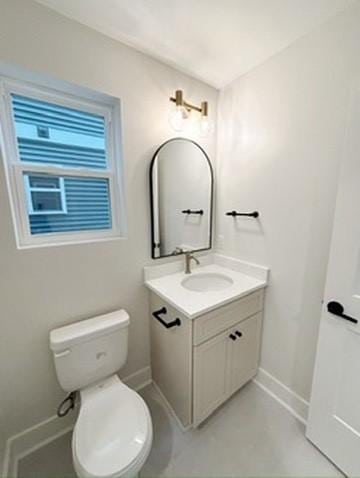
point(2, 456)
point(22, 444)
point(290, 400)
point(27, 441)
point(170, 409)
point(7, 461)
point(139, 379)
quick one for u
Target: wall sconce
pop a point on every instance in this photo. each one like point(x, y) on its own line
point(182, 110)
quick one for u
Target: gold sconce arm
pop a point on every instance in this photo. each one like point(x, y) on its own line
point(178, 99)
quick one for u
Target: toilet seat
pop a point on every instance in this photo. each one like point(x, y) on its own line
point(113, 434)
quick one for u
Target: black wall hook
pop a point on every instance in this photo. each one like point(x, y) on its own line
point(254, 214)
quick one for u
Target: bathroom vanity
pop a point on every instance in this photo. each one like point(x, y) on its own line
point(206, 319)
point(205, 332)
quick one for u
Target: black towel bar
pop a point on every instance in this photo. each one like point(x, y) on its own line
point(157, 315)
point(192, 211)
point(254, 214)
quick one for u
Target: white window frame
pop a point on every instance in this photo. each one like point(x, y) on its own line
point(38, 212)
point(15, 169)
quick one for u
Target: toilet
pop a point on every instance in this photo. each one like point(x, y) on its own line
point(113, 433)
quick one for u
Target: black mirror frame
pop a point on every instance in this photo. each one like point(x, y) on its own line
point(152, 201)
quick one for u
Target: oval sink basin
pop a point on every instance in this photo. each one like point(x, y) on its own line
point(207, 282)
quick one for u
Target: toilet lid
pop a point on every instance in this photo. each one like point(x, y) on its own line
point(113, 430)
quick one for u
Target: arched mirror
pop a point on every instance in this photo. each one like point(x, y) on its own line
point(181, 188)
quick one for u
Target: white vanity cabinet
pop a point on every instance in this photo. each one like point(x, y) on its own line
point(200, 363)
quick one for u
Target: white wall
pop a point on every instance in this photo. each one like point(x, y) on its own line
point(45, 288)
point(281, 131)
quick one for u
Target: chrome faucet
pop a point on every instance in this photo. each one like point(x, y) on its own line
point(188, 258)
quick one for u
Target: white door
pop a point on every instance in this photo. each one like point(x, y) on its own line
point(334, 419)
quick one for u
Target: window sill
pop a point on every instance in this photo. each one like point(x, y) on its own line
point(72, 242)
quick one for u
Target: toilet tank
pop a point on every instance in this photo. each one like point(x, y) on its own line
point(87, 351)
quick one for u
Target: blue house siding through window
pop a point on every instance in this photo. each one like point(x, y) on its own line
point(88, 208)
point(51, 134)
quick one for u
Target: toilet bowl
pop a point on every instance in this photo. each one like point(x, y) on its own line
point(113, 433)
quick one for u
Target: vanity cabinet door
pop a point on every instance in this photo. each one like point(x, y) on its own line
point(244, 354)
point(211, 376)
point(224, 364)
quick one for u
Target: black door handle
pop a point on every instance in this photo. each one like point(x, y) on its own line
point(232, 337)
point(336, 308)
point(239, 334)
point(168, 325)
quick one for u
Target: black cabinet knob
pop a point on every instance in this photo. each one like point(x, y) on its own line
point(232, 337)
point(239, 334)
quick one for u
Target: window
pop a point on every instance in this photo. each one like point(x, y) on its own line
point(63, 165)
point(45, 194)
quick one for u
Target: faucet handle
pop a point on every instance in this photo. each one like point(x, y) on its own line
point(196, 260)
point(178, 250)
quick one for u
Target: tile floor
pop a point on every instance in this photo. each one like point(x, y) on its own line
point(250, 436)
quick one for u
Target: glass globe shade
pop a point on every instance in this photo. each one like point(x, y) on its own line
point(205, 126)
point(177, 118)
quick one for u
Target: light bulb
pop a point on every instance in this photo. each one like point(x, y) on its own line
point(177, 118)
point(205, 126)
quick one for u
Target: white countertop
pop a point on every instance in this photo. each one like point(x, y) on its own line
point(192, 303)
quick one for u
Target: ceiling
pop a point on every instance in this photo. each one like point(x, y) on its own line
point(213, 40)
